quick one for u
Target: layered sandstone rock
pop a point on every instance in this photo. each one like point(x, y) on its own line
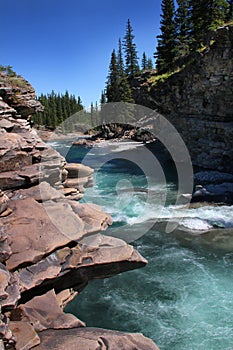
point(93, 339)
point(50, 246)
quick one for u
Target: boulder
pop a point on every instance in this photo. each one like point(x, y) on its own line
point(11, 180)
point(7, 340)
point(4, 281)
point(26, 336)
point(96, 256)
point(65, 297)
point(5, 250)
point(5, 110)
point(94, 218)
point(43, 312)
point(41, 193)
point(78, 170)
point(78, 182)
point(93, 339)
point(36, 230)
point(9, 290)
point(6, 124)
point(4, 201)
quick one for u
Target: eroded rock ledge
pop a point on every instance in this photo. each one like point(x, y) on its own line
point(50, 244)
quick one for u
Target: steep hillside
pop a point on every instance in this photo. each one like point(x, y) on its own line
point(198, 100)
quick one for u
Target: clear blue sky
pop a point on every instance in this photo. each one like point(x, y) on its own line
point(66, 44)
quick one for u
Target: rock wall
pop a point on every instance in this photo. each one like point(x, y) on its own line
point(198, 101)
point(50, 245)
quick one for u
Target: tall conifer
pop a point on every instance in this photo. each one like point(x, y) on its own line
point(183, 27)
point(201, 21)
point(218, 12)
point(120, 59)
point(144, 61)
point(229, 16)
point(112, 92)
point(165, 53)
point(131, 58)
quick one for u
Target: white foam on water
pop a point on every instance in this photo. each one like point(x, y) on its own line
point(196, 224)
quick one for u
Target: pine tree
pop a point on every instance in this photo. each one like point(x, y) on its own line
point(102, 104)
point(229, 16)
point(165, 53)
point(201, 21)
point(103, 99)
point(144, 61)
point(218, 13)
point(183, 27)
point(147, 62)
point(92, 114)
point(113, 80)
point(125, 91)
point(67, 103)
point(97, 113)
point(57, 108)
point(53, 107)
point(150, 64)
point(131, 59)
point(120, 60)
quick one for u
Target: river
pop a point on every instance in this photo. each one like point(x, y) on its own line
point(183, 298)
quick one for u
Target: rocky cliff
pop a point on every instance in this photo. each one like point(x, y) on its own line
point(198, 100)
point(50, 244)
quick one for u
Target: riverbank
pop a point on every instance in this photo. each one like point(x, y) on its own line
point(51, 245)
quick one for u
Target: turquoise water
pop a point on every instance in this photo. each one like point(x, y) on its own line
point(183, 298)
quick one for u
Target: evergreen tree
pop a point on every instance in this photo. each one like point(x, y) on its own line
point(229, 16)
point(218, 13)
point(113, 80)
point(97, 113)
point(150, 63)
point(201, 21)
point(103, 98)
point(102, 104)
point(131, 59)
point(92, 114)
point(120, 60)
point(125, 91)
point(183, 27)
point(57, 108)
point(58, 102)
point(144, 61)
point(165, 53)
point(147, 63)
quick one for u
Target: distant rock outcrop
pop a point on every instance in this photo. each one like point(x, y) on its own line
point(198, 100)
point(50, 244)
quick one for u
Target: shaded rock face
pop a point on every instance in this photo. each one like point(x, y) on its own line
point(50, 245)
point(198, 101)
point(123, 132)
